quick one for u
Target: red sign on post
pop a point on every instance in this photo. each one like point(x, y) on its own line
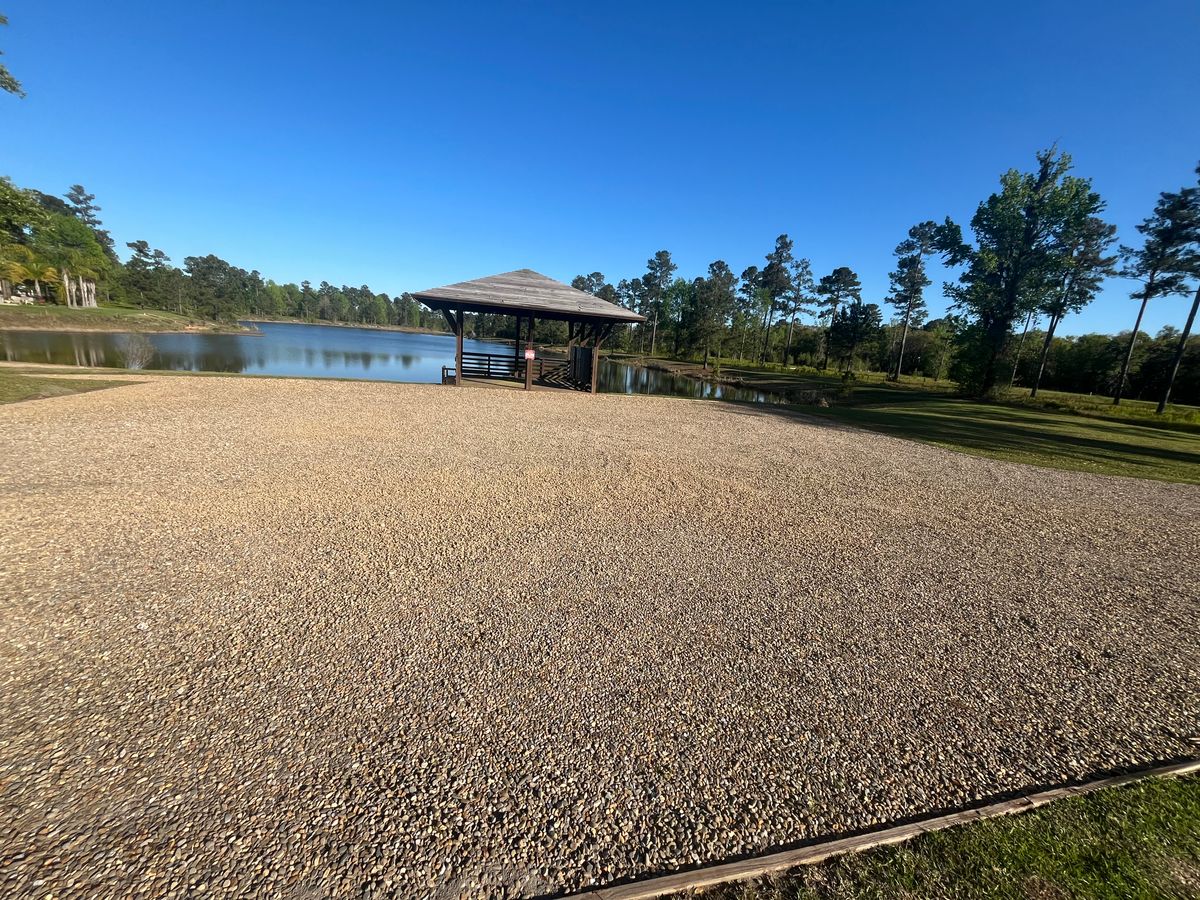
point(529, 353)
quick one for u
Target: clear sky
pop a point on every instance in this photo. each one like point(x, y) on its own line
point(407, 146)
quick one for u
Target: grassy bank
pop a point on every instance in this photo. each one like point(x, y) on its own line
point(1137, 841)
point(39, 317)
point(1039, 437)
point(1057, 430)
point(1142, 412)
point(16, 386)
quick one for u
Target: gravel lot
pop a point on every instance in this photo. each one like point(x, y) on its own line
point(300, 638)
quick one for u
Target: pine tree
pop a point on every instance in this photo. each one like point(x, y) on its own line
point(1165, 260)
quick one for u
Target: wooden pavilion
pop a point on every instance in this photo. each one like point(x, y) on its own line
point(527, 295)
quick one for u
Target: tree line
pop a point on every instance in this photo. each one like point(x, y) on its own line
point(55, 250)
point(1037, 250)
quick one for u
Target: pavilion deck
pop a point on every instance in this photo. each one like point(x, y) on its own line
point(526, 295)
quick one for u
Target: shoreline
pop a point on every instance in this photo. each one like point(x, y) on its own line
point(408, 329)
point(199, 329)
point(107, 320)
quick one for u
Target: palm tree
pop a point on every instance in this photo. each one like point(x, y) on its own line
point(19, 265)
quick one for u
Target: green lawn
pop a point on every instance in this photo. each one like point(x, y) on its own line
point(99, 318)
point(1140, 841)
point(1058, 430)
point(15, 387)
point(1039, 437)
point(1185, 418)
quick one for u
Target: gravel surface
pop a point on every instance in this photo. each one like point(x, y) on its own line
point(301, 638)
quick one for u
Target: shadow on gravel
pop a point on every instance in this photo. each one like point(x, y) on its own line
point(1063, 441)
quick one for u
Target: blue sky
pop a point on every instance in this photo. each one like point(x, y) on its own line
point(408, 146)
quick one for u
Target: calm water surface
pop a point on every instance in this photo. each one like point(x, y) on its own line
point(318, 351)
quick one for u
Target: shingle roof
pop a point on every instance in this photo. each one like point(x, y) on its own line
point(525, 291)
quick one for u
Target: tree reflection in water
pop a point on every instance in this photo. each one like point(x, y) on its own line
point(324, 352)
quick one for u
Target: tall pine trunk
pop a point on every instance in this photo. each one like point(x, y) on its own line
point(997, 335)
point(903, 342)
point(1129, 353)
point(1020, 345)
point(768, 317)
point(829, 331)
point(1037, 381)
point(1179, 351)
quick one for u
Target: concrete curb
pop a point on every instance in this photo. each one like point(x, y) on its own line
point(815, 853)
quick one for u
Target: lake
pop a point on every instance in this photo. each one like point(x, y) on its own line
point(319, 351)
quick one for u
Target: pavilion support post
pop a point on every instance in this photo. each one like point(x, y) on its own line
point(601, 334)
point(580, 376)
point(528, 358)
point(458, 341)
point(517, 348)
point(570, 351)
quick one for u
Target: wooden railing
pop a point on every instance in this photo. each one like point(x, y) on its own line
point(496, 365)
point(491, 365)
point(549, 369)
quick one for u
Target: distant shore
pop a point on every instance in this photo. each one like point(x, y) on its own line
point(118, 319)
point(112, 319)
point(292, 320)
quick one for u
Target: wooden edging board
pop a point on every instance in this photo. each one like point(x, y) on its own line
point(815, 853)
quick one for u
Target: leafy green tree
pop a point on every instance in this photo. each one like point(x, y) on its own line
point(72, 248)
point(852, 326)
point(590, 284)
point(376, 311)
point(1164, 260)
point(146, 277)
point(749, 296)
point(1083, 262)
point(677, 300)
point(658, 278)
point(798, 301)
point(807, 342)
point(274, 299)
point(7, 81)
point(909, 280)
point(21, 216)
point(218, 290)
point(20, 213)
point(907, 296)
point(19, 265)
point(943, 336)
point(775, 280)
point(1014, 261)
point(83, 205)
point(629, 295)
point(838, 287)
point(711, 304)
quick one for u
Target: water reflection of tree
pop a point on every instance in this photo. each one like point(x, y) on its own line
point(209, 353)
point(137, 352)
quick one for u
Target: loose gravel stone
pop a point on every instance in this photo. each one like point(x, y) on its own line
point(266, 638)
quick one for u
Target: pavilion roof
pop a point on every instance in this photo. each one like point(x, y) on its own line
point(525, 292)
